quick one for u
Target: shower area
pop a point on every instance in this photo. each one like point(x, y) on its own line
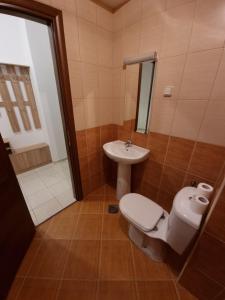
point(30, 117)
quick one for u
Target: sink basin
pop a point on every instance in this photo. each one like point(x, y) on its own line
point(125, 157)
point(118, 152)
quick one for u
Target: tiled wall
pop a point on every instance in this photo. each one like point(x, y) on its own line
point(204, 275)
point(186, 139)
point(189, 37)
point(95, 167)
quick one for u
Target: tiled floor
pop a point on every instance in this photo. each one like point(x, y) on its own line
point(84, 253)
point(47, 190)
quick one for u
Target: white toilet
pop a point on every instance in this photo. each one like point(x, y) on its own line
point(151, 226)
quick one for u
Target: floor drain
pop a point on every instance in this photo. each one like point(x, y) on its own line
point(113, 208)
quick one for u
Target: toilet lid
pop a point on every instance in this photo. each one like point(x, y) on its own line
point(141, 211)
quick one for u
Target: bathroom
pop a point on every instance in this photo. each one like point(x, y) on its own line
point(85, 251)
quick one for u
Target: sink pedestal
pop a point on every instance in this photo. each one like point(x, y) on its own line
point(123, 180)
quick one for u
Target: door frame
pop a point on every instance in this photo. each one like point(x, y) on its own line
point(40, 12)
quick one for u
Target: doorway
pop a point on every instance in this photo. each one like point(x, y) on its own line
point(30, 117)
point(16, 226)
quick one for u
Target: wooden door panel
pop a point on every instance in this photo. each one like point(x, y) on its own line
point(16, 226)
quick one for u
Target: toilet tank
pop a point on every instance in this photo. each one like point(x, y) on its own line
point(183, 222)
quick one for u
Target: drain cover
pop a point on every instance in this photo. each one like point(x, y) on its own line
point(113, 208)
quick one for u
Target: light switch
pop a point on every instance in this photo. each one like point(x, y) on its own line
point(168, 91)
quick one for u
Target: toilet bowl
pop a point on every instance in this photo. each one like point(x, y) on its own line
point(152, 228)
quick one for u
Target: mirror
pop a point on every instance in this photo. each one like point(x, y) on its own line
point(138, 91)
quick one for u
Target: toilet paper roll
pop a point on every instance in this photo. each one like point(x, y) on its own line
point(204, 189)
point(199, 204)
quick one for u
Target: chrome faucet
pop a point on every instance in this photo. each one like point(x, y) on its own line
point(128, 143)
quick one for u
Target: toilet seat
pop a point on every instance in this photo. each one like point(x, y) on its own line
point(141, 211)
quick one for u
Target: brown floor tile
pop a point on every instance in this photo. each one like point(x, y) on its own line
point(119, 290)
point(77, 289)
point(83, 260)
point(147, 269)
point(116, 261)
point(156, 290)
point(91, 206)
point(115, 227)
point(50, 259)
point(109, 190)
point(29, 257)
point(15, 288)
point(98, 191)
point(88, 227)
point(42, 229)
point(62, 227)
point(185, 294)
point(71, 210)
point(38, 289)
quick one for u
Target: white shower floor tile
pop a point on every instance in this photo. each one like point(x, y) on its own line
point(47, 190)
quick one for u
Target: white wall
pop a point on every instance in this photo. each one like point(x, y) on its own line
point(19, 39)
point(40, 49)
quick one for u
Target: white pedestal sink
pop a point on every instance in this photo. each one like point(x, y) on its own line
point(125, 157)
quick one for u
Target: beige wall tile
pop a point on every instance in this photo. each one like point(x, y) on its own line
point(131, 40)
point(87, 9)
point(88, 41)
point(212, 129)
point(71, 36)
point(118, 111)
point(199, 74)
point(173, 3)
point(209, 25)
point(151, 33)
point(76, 84)
point(92, 112)
point(150, 7)
point(218, 92)
point(67, 5)
point(118, 20)
point(162, 114)
point(104, 19)
point(105, 83)
point(117, 49)
point(118, 83)
point(106, 111)
point(177, 31)
point(79, 114)
point(132, 12)
point(188, 118)
point(104, 47)
point(90, 81)
point(168, 73)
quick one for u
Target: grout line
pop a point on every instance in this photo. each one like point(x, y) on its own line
point(134, 269)
point(67, 255)
point(100, 246)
